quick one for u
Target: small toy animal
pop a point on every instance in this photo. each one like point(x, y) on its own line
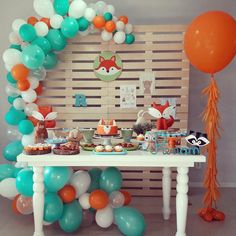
point(107, 67)
point(164, 115)
point(150, 142)
point(199, 140)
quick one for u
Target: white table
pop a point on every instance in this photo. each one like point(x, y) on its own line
point(132, 159)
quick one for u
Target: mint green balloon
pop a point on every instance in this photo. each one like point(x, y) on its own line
point(53, 207)
point(16, 171)
point(61, 7)
point(27, 32)
point(129, 39)
point(33, 57)
point(56, 178)
point(43, 43)
point(12, 150)
point(72, 217)
point(110, 180)
point(129, 221)
point(50, 61)
point(6, 171)
point(14, 117)
point(26, 127)
point(95, 174)
point(69, 27)
point(16, 46)
point(24, 182)
point(10, 79)
point(107, 16)
point(83, 24)
point(56, 39)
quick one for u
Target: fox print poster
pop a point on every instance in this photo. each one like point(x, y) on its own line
point(108, 66)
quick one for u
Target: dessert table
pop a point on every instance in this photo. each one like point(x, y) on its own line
point(132, 159)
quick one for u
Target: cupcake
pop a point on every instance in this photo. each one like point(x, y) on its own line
point(140, 137)
point(99, 148)
point(118, 148)
point(108, 148)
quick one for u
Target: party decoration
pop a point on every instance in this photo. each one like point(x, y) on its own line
point(129, 221)
point(110, 26)
point(50, 61)
point(95, 174)
point(99, 22)
point(8, 188)
point(124, 19)
point(44, 8)
point(127, 197)
point(29, 95)
point(12, 150)
point(26, 127)
point(89, 14)
point(27, 32)
point(107, 16)
point(108, 66)
point(67, 194)
point(106, 36)
point(77, 8)
point(10, 79)
point(88, 218)
point(69, 27)
point(28, 139)
point(17, 24)
point(104, 217)
point(13, 116)
point(41, 28)
point(20, 72)
point(117, 199)
point(98, 199)
point(56, 21)
point(11, 57)
point(6, 171)
point(24, 182)
point(14, 208)
point(22, 86)
point(56, 39)
point(129, 39)
point(12, 91)
point(83, 23)
point(84, 201)
point(80, 100)
point(32, 20)
point(61, 7)
point(24, 205)
point(29, 108)
point(43, 43)
point(119, 37)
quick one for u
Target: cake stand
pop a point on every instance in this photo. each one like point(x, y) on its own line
point(107, 138)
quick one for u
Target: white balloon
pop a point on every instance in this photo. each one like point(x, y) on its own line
point(8, 67)
point(12, 91)
point(41, 28)
point(56, 21)
point(34, 82)
point(104, 217)
point(117, 199)
point(17, 24)
point(120, 25)
point(119, 37)
point(14, 38)
point(40, 74)
point(29, 95)
point(19, 104)
point(29, 108)
point(100, 7)
point(89, 14)
point(110, 9)
point(28, 139)
point(77, 8)
point(106, 36)
point(44, 8)
point(13, 133)
point(128, 28)
point(80, 180)
point(12, 56)
point(84, 201)
point(8, 188)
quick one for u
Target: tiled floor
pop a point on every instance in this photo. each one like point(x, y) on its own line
point(13, 225)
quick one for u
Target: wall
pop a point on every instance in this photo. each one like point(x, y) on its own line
point(157, 12)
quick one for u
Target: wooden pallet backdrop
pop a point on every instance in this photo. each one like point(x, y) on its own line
point(158, 48)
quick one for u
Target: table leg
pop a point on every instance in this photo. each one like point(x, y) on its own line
point(166, 192)
point(182, 200)
point(38, 200)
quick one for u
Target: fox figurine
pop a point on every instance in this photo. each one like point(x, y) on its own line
point(164, 115)
point(107, 67)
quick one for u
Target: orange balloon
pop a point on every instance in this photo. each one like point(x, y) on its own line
point(98, 199)
point(23, 85)
point(210, 41)
point(14, 208)
point(99, 22)
point(125, 19)
point(110, 26)
point(46, 21)
point(20, 72)
point(39, 89)
point(127, 197)
point(32, 20)
point(67, 194)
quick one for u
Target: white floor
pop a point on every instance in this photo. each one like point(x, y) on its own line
point(14, 225)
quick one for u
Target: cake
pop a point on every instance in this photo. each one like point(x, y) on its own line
point(108, 148)
point(38, 149)
point(107, 129)
point(99, 148)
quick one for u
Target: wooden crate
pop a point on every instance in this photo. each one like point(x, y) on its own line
point(158, 48)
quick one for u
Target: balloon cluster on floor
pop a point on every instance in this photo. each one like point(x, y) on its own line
point(74, 199)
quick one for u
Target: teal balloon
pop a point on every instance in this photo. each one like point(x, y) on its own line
point(43, 43)
point(129, 39)
point(110, 180)
point(95, 174)
point(107, 16)
point(15, 46)
point(6, 171)
point(61, 7)
point(69, 27)
point(12, 150)
point(11, 99)
point(50, 61)
point(83, 24)
point(27, 32)
point(14, 117)
point(24, 182)
point(33, 57)
point(26, 127)
point(56, 39)
point(56, 178)
point(16, 171)
point(72, 217)
point(129, 221)
point(10, 79)
point(53, 207)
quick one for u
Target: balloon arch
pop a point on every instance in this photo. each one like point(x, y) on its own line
point(33, 50)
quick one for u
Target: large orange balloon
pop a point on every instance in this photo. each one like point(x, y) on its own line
point(67, 194)
point(210, 41)
point(98, 199)
point(99, 22)
point(19, 72)
point(23, 85)
point(110, 26)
